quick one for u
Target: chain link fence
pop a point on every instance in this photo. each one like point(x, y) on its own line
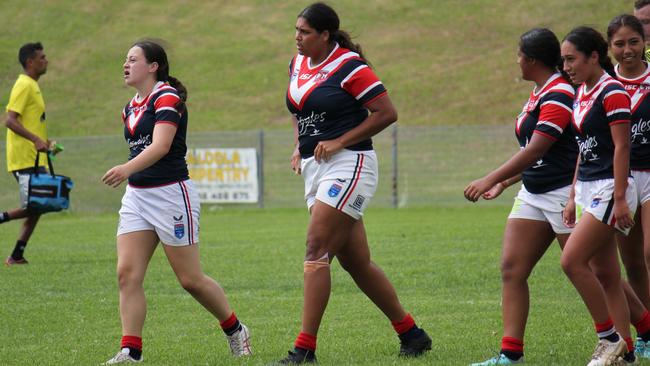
point(418, 166)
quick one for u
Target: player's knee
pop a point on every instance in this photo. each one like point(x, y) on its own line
point(191, 284)
point(510, 271)
point(316, 247)
point(569, 267)
point(127, 276)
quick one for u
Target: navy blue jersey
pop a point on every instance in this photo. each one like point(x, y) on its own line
point(594, 111)
point(330, 99)
point(638, 89)
point(140, 118)
point(548, 113)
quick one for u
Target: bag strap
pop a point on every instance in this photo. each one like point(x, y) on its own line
point(49, 162)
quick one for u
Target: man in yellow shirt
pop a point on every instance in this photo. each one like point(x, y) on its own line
point(642, 12)
point(26, 134)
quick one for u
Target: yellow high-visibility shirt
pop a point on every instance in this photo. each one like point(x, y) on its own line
point(27, 101)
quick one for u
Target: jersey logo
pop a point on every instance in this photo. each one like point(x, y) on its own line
point(583, 105)
point(137, 110)
point(304, 81)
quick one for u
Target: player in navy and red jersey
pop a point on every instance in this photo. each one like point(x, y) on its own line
point(545, 162)
point(331, 89)
point(160, 203)
point(626, 40)
point(604, 192)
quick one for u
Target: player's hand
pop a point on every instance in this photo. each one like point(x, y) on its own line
point(494, 192)
point(475, 189)
point(116, 175)
point(41, 145)
point(623, 215)
point(326, 149)
point(569, 214)
point(295, 161)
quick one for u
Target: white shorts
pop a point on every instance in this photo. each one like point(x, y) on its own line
point(596, 197)
point(172, 211)
point(642, 181)
point(545, 207)
point(346, 182)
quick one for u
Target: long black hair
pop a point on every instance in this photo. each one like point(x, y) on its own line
point(587, 40)
point(154, 52)
point(322, 17)
point(542, 45)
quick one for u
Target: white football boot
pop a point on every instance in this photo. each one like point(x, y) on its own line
point(239, 342)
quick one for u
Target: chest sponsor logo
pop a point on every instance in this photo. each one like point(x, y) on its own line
point(308, 125)
point(640, 131)
point(139, 143)
point(586, 149)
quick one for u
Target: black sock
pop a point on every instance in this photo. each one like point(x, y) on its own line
point(612, 337)
point(19, 250)
point(135, 353)
point(629, 357)
point(645, 336)
point(514, 356)
point(4, 217)
point(232, 330)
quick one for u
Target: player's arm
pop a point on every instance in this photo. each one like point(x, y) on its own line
point(295, 156)
point(382, 115)
point(621, 138)
point(163, 135)
point(535, 150)
point(14, 125)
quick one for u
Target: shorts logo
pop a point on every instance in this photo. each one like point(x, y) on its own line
point(335, 189)
point(358, 202)
point(179, 227)
point(595, 202)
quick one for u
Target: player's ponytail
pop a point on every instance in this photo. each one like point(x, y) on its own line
point(182, 92)
point(322, 17)
point(154, 52)
point(588, 40)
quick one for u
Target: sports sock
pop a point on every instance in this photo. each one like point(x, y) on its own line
point(606, 331)
point(629, 343)
point(643, 327)
point(512, 348)
point(404, 325)
point(231, 325)
point(4, 217)
point(306, 341)
point(134, 344)
point(19, 250)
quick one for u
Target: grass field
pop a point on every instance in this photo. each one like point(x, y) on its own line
point(443, 61)
point(61, 309)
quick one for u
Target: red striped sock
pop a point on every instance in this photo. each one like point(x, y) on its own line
point(630, 344)
point(643, 325)
point(132, 342)
point(306, 341)
point(404, 325)
point(512, 344)
point(605, 329)
point(228, 323)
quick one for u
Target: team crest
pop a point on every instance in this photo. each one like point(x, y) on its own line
point(335, 189)
point(179, 230)
point(595, 202)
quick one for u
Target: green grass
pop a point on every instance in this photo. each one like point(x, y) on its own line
point(443, 61)
point(61, 309)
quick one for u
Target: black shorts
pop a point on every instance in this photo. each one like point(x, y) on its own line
point(19, 172)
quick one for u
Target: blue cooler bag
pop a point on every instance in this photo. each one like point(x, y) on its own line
point(45, 192)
